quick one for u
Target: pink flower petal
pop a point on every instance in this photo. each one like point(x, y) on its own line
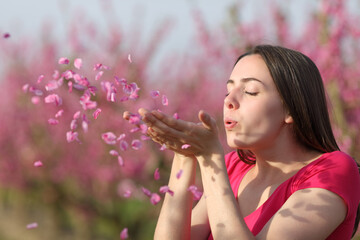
point(85, 126)
point(157, 174)
point(124, 234)
point(121, 137)
point(154, 94)
point(53, 121)
point(176, 116)
point(98, 75)
point(63, 60)
point(124, 145)
point(52, 85)
point(68, 74)
point(127, 194)
point(144, 138)
point(72, 136)
point(179, 173)
point(166, 189)
point(109, 138)
point(56, 74)
point(73, 124)
point(59, 113)
point(163, 147)
point(97, 113)
point(136, 144)
point(35, 99)
point(70, 85)
point(6, 35)
point(129, 58)
point(185, 146)
point(78, 63)
point(40, 78)
point(77, 115)
point(134, 119)
point(196, 194)
point(97, 66)
point(146, 191)
point(120, 161)
point(25, 87)
point(38, 164)
point(165, 100)
point(114, 153)
point(155, 198)
point(32, 225)
point(53, 98)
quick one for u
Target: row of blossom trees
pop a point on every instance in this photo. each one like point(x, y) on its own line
point(64, 144)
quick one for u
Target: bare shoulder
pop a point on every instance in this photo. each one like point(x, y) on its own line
point(312, 213)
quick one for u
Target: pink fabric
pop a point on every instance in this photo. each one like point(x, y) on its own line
point(335, 171)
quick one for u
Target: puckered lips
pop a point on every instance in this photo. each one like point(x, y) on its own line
point(229, 123)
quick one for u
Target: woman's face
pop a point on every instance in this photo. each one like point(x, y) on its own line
point(254, 115)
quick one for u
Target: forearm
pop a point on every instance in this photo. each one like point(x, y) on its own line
point(226, 221)
point(175, 216)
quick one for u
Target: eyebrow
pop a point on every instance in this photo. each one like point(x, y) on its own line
point(230, 81)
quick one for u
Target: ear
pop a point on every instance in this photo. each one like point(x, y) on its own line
point(289, 119)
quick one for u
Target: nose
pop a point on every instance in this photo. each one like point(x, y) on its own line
point(231, 103)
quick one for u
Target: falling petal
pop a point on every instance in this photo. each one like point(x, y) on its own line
point(35, 99)
point(144, 138)
point(59, 113)
point(154, 94)
point(134, 130)
point(109, 138)
point(32, 225)
point(166, 189)
point(146, 191)
point(165, 100)
point(127, 194)
point(6, 35)
point(98, 75)
point(68, 74)
point(155, 198)
point(78, 63)
point(163, 147)
point(40, 78)
point(97, 113)
point(72, 136)
point(185, 146)
point(124, 234)
point(25, 87)
point(121, 137)
point(52, 85)
point(179, 173)
point(77, 115)
point(196, 194)
point(120, 161)
point(124, 145)
point(157, 174)
point(143, 128)
point(136, 144)
point(129, 58)
point(63, 60)
point(73, 124)
point(53, 98)
point(114, 153)
point(85, 126)
point(38, 164)
point(176, 116)
point(97, 66)
point(70, 85)
point(53, 121)
point(134, 119)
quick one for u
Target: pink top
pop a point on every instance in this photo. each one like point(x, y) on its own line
point(334, 171)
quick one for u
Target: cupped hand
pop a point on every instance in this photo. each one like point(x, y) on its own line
point(187, 138)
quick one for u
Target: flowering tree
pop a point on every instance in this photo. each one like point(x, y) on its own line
point(64, 143)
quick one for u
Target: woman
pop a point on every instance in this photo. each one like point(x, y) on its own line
point(286, 179)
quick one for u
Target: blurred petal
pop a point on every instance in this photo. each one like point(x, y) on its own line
point(53, 121)
point(146, 191)
point(179, 173)
point(96, 113)
point(38, 164)
point(185, 146)
point(59, 113)
point(136, 144)
point(32, 225)
point(165, 100)
point(129, 58)
point(124, 145)
point(35, 99)
point(109, 138)
point(120, 161)
point(114, 153)
point(98, 75)
point(155, 198)
point(124, 234)
point(127, 194)
point(157, 174)
point(78, 63)
point(63, 60)
point(154, 94)
point(166, 189)
point(40, 78)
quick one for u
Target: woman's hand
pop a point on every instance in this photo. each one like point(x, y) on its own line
point(186, 138)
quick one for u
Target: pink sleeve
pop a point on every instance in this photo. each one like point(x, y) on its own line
point(336, 172)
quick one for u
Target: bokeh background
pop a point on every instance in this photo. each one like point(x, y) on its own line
point(183, 49)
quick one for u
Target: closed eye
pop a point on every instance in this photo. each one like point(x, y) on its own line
point(251, 93)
